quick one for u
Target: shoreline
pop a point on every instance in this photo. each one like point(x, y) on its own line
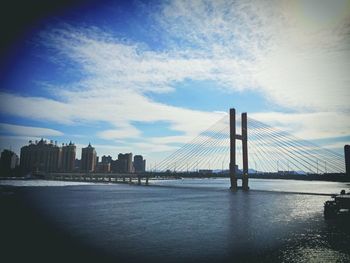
point(309, 178)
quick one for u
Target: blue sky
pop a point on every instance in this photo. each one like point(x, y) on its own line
point(146, 77)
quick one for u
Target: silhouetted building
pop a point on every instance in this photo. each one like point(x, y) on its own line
point(68, 157)
point(139, 164)
point(106, 159)
point(40, 156)
point(77, 165)
point(88, 159)
point(205, 171)
point(347, 159)
point(125, 163)
point(286, 172)
point(103, 167)
point(114, 166)
point(8, 161)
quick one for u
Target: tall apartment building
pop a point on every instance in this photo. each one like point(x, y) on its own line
point(125, 163)
point(40, 157)
point(103, 167)
point(68, 157)
point(88, 159)
point(8, 161)
point(139, 164)
point(106, 159)
point(114, 166)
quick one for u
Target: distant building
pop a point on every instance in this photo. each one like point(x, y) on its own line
point(107, 164)
point(103, 167)
point(205, 171)
point(347, 159)
point(8, 161)
point(125, 163)
point(114, 166)
point(14, 161)
point(77, 165)
point(68, 157)
point(139, 164)
point(106, 159)
point(286, 172)
point(88, 159)
point(40, 157)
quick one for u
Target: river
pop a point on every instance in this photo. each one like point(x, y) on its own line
point(189, 220)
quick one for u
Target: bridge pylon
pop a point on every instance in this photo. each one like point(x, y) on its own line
point(244, 138)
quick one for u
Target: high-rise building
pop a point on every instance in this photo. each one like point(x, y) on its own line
point(77, 165)
point(103, 167)
point(106, 159)
point(68, 157)
point(125, 163)
point(8, 162)
point(347, 159)
point(88, 159)
point(139, 164)
point(114, 166)
point(40, 157)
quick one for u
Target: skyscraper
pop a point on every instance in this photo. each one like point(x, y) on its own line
point(139, 164)
point(125, 163)
point(8, 161)
point(68, 157)
point(40, 156)
point(88, 159)
point(103, 167)
point(106, 159)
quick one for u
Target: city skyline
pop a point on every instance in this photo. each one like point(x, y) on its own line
point(49, 156)
point(148, 77)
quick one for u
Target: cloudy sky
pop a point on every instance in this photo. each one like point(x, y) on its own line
point(147, 76)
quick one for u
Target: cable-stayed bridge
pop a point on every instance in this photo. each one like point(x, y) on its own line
point(241, 147)
point(221, 148)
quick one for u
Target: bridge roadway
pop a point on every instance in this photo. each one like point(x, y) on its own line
point(95, 177)
point(144, 177)
point(106, 177)
point(121, 177)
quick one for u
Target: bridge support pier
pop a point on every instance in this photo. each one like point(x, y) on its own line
point(245, 151)
point(233, 178)
point(233, 138)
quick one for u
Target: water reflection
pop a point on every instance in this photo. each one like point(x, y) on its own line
point(294, 186)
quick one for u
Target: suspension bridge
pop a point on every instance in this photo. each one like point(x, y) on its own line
point(270, 151)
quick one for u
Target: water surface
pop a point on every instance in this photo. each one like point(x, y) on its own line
point(174, 221)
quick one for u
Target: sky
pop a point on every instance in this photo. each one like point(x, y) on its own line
point(148, 76)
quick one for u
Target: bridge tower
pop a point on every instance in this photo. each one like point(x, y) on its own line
point(244, 138)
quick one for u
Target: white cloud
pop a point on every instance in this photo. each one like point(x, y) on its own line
point(337, 146)
point(127, 131)
point(28, 130)
point(276, 47)
point(308, 125)
point(35, 108)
